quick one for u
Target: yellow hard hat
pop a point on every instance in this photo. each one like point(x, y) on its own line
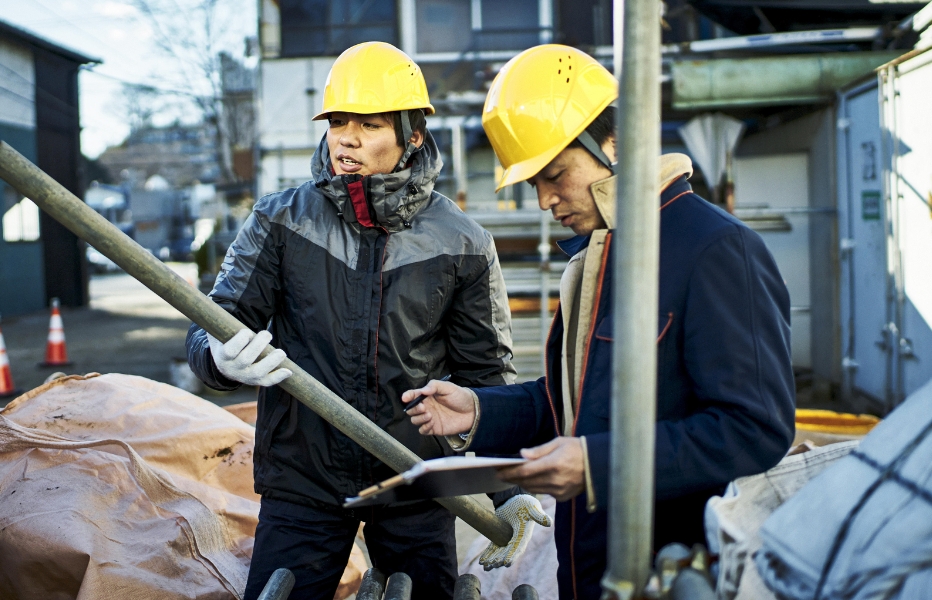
point(374, 77)
point(540, 101)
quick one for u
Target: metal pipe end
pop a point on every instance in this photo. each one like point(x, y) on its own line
point(468, 587)
point(399, 587)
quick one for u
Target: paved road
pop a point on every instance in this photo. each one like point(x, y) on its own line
point(126, 329)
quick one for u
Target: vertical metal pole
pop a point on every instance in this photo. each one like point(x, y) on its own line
point(636, 252)
point(458, 154)
point(545, 20)
point(544, 249)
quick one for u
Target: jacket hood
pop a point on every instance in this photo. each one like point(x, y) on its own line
point(394, 198)
point(672, 167)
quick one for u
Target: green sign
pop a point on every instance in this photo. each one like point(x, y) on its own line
point(870, 205)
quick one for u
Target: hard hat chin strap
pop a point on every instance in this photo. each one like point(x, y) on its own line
point(406, 133)
point(590, 144)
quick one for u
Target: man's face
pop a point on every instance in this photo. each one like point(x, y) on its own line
point(563, 188)
point(362, 144)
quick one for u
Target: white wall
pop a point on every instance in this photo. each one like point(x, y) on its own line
point(290, 94)
point(17, 85)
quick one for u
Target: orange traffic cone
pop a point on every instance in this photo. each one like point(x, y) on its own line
point(55, 353)
point(7, 388)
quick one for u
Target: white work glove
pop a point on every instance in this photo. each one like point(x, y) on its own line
point(521, 512)
point(237, 358)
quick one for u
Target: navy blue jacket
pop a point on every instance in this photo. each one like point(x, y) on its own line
point(725, 388)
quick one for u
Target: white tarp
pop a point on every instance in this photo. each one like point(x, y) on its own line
point(862, 528)
point(733, 521)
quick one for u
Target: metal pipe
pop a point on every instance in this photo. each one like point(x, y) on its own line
point(372, 586)
point(544, 249)
point(398, 587)
point(636, 243)
point(800, 79)
point(65, 207)
point(524, 592)
point(467, 587)
point(279, 586)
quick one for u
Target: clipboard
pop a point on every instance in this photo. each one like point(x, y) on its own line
point(438, 478)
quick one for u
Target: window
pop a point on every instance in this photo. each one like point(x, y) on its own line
point(585, 23)
point(328, 27)
point(464, 25)
point(512, 25)
point(443, 25)
point(21, 222)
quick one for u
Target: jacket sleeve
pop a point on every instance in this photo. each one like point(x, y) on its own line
point(737, 357)
point(512, 417)
point(478, 324)
point(247, 287)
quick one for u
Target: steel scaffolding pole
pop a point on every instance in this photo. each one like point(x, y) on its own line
point(636, 243)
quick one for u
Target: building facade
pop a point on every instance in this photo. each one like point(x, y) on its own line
point(39, 116)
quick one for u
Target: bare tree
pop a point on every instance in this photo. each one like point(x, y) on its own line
point(192, 34)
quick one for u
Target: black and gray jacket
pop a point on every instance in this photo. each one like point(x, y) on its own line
point(373, 285)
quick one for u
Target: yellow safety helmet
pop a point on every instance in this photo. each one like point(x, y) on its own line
point(540, 101)
point(374, 77)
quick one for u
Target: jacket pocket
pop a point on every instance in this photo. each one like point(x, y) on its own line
point(663, 325)
point(266, 427)
point(604, 330)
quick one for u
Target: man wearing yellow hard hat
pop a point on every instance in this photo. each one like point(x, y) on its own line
point(725, 390)
point(374, 284)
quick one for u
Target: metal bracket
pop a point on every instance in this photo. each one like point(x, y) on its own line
point(849, 364)
point(846, 245)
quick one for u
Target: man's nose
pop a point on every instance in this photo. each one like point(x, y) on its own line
point(350, 135)
point(546, 199)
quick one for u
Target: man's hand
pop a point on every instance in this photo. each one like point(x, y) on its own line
point(447, 409)
point(521, 512)
point(555, 468)
point(236, 359)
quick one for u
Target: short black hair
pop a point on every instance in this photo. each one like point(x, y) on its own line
point(418, 123)
point(602, 128)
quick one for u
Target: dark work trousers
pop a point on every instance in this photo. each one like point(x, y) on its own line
point(315, 545)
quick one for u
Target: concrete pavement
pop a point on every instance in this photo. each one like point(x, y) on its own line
point(126, 329)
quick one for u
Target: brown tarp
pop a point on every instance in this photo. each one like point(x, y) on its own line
point(116, 486)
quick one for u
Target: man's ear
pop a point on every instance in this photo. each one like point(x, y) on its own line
point(608, 147)
point(417, 138)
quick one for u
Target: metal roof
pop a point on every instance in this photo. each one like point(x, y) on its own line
point(11, 31)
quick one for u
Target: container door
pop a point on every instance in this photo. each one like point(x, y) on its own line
point(911, 185)
point(861, 224)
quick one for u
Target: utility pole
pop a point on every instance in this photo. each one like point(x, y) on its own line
point(636, 271)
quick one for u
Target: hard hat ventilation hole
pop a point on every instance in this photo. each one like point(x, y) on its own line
point(558, 71)
point(567, 80)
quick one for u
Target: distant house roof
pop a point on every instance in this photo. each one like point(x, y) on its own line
point(7, 30)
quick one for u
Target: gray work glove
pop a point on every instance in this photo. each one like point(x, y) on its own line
point(521, 512)
point(236, 359)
